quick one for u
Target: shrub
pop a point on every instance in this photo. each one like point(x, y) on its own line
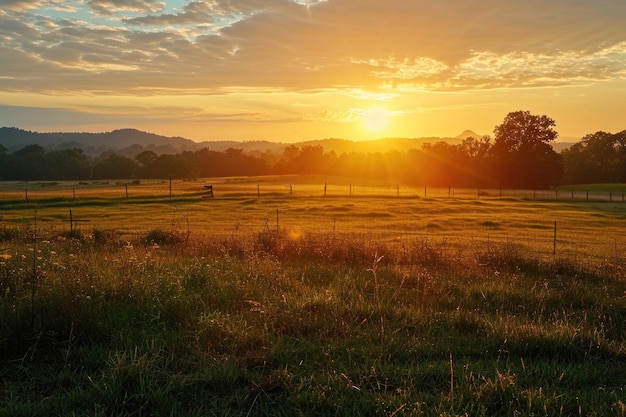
point(162, 237)
point(74, 234)
point(103, 237)
point(8, 234)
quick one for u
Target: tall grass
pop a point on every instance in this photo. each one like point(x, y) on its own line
point(315, 325)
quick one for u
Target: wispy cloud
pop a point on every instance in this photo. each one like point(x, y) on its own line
point(151, 47)
point(110, 7)
point(295, 45)
point(194, 12)
point(20, 5)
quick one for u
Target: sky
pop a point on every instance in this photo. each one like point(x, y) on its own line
point(293, 70)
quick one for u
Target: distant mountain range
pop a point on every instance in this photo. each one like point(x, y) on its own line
point(131, 142)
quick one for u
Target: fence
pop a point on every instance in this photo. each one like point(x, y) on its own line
point(246, 187)
point(312, 218)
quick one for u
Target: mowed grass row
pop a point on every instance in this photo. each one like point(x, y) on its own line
point(352, 306)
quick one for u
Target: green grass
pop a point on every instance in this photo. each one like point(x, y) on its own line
point(372, 306)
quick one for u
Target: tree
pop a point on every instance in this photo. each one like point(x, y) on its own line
point(68, 164)
point(4, 161)
point(115, 167)
point(146, 161)
point(176, 166)
point(598, 158)
point(146, 158)
point(522, 153)
point(29, 163)
point(475, 161)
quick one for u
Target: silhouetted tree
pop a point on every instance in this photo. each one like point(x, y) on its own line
point(475, 161)
point(29, 163)
point(598, 158)
point(177, 166)
point(115, 167)
point(68, 164)
point(4, 160)
point(146, 160)
point(310, 159)
point(522, 154)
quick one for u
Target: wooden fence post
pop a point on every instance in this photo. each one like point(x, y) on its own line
point(258, 191)
point(555, 238)
point(26, 193)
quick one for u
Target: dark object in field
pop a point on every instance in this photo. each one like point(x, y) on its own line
point(209, 191)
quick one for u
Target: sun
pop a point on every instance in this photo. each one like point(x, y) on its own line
point(375, 119)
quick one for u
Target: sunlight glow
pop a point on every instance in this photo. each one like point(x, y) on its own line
point(375, 119)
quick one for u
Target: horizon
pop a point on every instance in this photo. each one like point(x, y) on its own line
point(300, 70)
point(460, 136)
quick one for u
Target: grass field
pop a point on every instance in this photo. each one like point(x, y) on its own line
point(292, 303)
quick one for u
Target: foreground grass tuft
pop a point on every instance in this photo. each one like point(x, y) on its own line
point(319, 325)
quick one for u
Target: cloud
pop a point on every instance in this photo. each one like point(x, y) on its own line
point(335, 116)
point(109, 7)
point(20, 5)
point(194, 12)
point(287, 45)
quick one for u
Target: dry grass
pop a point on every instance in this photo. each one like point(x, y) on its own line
point(593, 231)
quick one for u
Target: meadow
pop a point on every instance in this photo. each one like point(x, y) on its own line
point(308, 296)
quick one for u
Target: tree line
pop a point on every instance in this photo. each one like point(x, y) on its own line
point(519, 156)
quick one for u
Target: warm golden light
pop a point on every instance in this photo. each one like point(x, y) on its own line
point(375, 119)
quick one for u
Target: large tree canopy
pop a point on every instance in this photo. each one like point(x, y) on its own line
point(598, 158)
point(522, 152)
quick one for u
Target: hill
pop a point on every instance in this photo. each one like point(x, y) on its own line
point(130, 142)
point(92, 143)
